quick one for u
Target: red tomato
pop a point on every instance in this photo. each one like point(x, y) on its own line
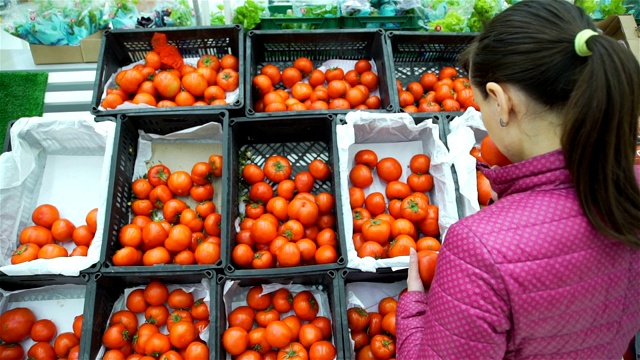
point(15, 324)
point(491, 154)
point(427, 261)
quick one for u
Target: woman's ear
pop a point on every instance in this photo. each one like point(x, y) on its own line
point(502, 99)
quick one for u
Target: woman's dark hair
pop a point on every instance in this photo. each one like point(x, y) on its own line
point(531, 45)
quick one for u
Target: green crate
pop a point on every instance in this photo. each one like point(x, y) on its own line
point(404, 22)
point(296, 23)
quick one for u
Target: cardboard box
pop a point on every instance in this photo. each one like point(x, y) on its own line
point(91, 46)
point(87, 51)
point(622, 27)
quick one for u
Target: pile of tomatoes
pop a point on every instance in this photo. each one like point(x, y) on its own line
point(164, 228)
point(384, 229)
point(153, 84)
point(262, 329)
point(285, 224)
point(374, 333)
point(165, 334)
point(20, 324)
point(445, 91)
point(320, 90)
point(43, 240)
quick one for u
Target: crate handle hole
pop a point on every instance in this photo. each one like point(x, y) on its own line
point(239, 27)
point(341, 261)
point(107, 265)
point(390, 108)
point(220, 279)
point(344, 273)
point(251, 33)
point(250, 111)
point(380, 31)
point(332, 274)
point(230, 268)
point(97, 276)
point(390, 33)
point(237, 103)
point(232, 122)
point(85, 277)
point(209, 274)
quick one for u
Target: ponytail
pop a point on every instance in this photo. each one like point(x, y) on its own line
point(599, 139)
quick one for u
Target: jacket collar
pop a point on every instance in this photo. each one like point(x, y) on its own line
point(541, 172)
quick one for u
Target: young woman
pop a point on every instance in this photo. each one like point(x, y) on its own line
point(551, 270)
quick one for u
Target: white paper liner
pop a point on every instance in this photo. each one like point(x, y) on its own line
point(230, 98)
point(367, 295)
point(466, 131)
point(67, 300)
point(199, 291)
point(180, 151)
point(65, 162)
point(393, 135)
point(235, 296)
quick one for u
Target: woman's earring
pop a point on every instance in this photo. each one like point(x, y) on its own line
point(502, 123)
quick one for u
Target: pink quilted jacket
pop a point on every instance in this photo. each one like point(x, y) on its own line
point(526, 278)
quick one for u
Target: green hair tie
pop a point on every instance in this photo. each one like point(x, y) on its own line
point(580, 42)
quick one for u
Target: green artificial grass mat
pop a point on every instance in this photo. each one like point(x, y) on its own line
point(22, 94)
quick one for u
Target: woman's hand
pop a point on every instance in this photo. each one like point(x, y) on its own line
point(414, 283)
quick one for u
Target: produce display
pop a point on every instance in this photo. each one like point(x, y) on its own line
point(165, 229)
point(309, 88)
point(444, 91)
point(388, 225)
point(278, 205)
point(280, 324)
point(285, 224)
point(52, 235)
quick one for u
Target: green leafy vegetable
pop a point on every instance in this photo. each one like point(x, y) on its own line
point(589, 6)
point(217, 17)
point(182, 14)
point(613, 7)
point(248, 15)
point(452, 22)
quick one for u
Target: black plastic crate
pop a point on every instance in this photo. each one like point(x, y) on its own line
point(105, 289)
point(301, 140)
point(282, 48)
point(379, 279)
point(328, 282)
point(33, 281)
point(122, 47)
point(42, 301)
point(72, 149)
point(415, 53)
point(123, 162)
point(442, 121)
